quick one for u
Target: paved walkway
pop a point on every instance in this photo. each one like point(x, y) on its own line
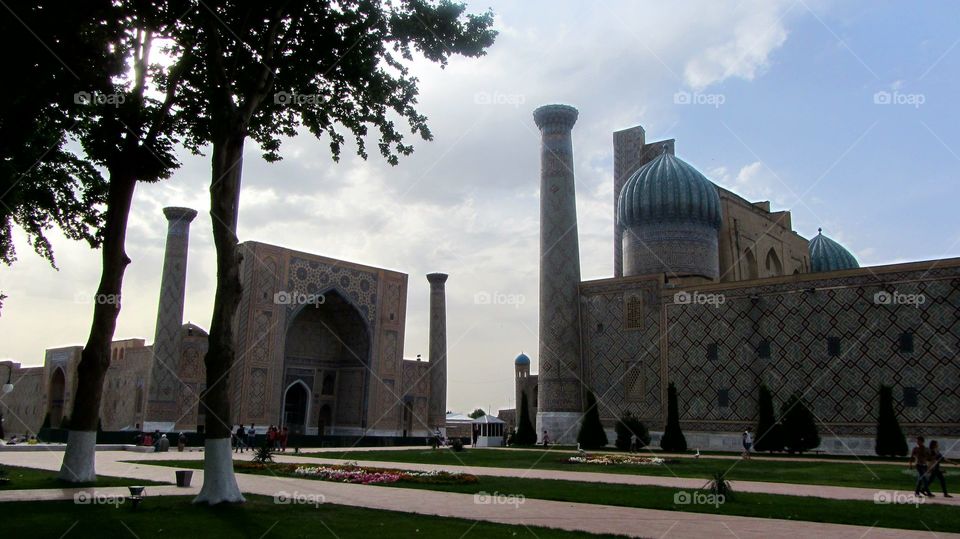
point(569, 516)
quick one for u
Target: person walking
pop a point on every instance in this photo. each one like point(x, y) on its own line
point(251, 437)
point(239, 439)
point(284, 436)
point(181, 442)
point(747, 443)
point(919, 457)
point(546, 439)
point(934, 459)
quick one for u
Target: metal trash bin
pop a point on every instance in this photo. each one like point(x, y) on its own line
point(184, 477)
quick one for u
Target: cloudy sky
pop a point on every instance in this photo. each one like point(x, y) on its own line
point(844, 113)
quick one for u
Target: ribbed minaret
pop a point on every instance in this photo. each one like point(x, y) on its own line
point(166, 341)
point(560, 373)
point(437, 411)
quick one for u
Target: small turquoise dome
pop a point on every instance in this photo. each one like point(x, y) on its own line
point(828, 255)
point(668, 190)
point(522, 359)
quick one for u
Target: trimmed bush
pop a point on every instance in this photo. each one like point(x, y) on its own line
point(591, 435)
point(526, 435)
point(673, 439)
point(890, 439)
point(799, 427)
point(629, 426)
point(769, 430)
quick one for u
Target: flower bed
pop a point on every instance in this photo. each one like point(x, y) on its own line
point(616, 459)
point(353, 473)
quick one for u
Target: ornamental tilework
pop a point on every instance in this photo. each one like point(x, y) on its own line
point(312, 277)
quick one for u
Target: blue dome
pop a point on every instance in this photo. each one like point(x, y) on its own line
point(828, 255)
point(522, 359)
point(668, 189)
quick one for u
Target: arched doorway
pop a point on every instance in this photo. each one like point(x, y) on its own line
point(296, 407)
point(58, 386)
point(774, 267)
point(750, 260)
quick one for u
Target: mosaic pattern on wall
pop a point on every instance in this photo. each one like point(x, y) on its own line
point(312, 277)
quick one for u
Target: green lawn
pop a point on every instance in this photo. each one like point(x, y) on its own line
point(860, 513)
point(175, 516)
point(32, 478)
point(867, 475)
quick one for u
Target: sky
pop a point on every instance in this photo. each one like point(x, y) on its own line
point(844, 113)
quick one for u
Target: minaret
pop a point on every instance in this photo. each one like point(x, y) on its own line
point(437, 410)
point(560, 393)
point(166, 341)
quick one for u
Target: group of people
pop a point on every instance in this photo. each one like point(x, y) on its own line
point(22, 439)
point(244, 439)
point(927, 461)
point(160, 442)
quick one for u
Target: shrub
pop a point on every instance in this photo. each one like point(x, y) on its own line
point(457, 445)
point(890, 439)
point(769, 430)
point(719, 486)
point(799, 428)
point(591, 435)
point(263, 455)
point(673, 439)
point(629, 426)
point(526, 435)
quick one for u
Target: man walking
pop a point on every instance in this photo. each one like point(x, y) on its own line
point(920, 456)
point(747, 443)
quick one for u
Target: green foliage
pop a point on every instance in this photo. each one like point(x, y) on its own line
point(799, 426)
point(890, 439)
point(526, 434)
point(769, 430)
point(591, 435)
point(719, 486)
point(629, 426)
point(477, 413)
point(457, 445)
point(673, 439)
point(263, 455)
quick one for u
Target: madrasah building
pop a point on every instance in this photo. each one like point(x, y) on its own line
point(719, 295)
point(319, 349)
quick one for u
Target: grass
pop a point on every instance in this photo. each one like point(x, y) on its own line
point(874, 475)
point(860, 513)
point(175, 516)
point(32, 478)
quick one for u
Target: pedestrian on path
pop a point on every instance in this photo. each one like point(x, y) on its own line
point(920, 457)
point(935, 458)
point(747, 443)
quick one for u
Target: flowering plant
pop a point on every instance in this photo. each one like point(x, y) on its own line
point(615, 459)
point(351, 472)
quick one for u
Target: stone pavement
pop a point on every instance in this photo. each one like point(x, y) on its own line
point(569, 516)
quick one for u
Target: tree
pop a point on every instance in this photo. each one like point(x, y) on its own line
point(132, 136)
point(673, 439)
point(591, 435)
point(627, 427)
point(526, 435)
point(799, 427)
point(769, 430)
point(265, 68)
point(890, 439)
point(477, 413)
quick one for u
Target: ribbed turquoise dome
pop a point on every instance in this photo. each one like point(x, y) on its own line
point(828, 255)
point(668, 189)
point(522, 359)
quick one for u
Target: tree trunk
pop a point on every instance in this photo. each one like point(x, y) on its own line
point(219, 481)
point(78, 459)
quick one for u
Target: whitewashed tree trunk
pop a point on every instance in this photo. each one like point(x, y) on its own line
point(219, 482)
point(79, 459)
